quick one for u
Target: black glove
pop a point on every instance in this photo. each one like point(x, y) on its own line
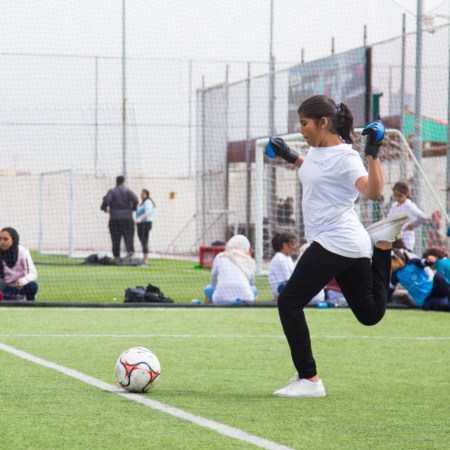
point(375, 136)
point(277, 147)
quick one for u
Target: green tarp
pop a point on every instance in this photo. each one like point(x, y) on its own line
point(432, 130)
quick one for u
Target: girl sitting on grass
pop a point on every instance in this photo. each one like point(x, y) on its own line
point(16, 266)
point(282, 265)
point(233, 274)
point(429, 293)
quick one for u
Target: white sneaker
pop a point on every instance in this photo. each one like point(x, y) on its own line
point(388, 229)
point(301, 388)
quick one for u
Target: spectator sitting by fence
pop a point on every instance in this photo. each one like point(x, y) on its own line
point(429, 294)
point(121, 203)
point(16, 267)
point(282, 265)
point(435, 238)
point(233, 274)
point(442, 263)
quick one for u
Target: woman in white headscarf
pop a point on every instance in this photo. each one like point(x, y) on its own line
point(233, 274)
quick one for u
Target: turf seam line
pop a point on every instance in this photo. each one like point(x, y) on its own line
point(228, 336)
point(198, 420)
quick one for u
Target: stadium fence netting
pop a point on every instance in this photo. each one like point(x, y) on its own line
point(191, 130)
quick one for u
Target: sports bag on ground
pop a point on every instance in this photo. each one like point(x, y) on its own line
point(152, 294)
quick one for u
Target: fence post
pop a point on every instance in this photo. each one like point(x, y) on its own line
point(247, 158)
point(41, 213)
point(402, 98)
point(225, 162)
point(96, 117)
point(72, 213)
point(259, 208)
point(124, 93)
point(190, 120)
point(203, 162)
point(448, 134)
point(417, 187)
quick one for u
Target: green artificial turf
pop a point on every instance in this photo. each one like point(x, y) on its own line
point(385, 388)
point(76, 283)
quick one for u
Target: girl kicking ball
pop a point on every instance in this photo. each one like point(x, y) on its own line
point(332, 176)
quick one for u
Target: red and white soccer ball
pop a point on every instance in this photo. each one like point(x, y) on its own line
point(137, 369)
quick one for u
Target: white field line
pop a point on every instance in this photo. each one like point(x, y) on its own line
point(228, 336)
point(198, 420)
point(195, 310)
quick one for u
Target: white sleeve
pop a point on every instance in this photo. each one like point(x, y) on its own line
point(352, 169)
point(418, 217)
point(30, 269)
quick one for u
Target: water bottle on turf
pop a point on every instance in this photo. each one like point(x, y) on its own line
point(322, 305)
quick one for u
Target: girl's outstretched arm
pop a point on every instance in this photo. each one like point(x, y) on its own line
point(372, 185)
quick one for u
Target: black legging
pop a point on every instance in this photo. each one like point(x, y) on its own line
point(439, 299)
point(364, 285)
point(143, 230)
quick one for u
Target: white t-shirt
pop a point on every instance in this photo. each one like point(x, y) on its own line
point(417, 217)
point(280, 270)
point(230, 282)
point(328, 176)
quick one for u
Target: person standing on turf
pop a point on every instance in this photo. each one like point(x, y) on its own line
point(121, 203)
point(332, 175)
point(144, 221)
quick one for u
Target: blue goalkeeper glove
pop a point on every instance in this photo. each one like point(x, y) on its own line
point(277, 147)
point(375, 136)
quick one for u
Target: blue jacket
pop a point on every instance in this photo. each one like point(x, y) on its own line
point(415, 280)
point(443, 266)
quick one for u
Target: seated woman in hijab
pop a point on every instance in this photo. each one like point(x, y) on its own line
point(16, 267)
point(233, 274)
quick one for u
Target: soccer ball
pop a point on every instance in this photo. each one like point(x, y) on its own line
point(137, 369)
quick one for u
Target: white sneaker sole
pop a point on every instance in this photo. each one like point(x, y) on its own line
point(302, 389)
point(388, 229)
point(306, 395)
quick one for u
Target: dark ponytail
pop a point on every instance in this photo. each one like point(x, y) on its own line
point(339, 115)
point(280, 238)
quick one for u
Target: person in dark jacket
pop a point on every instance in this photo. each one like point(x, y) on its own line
point(120, 202)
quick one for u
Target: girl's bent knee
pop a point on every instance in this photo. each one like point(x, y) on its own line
point(370, 321)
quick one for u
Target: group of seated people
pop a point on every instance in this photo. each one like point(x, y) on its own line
point(233, 271)
point(18, 274)
point(426, 279)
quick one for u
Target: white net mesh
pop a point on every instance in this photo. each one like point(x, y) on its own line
point(175, 96)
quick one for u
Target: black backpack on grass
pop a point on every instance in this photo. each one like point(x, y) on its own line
point(150, 295)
